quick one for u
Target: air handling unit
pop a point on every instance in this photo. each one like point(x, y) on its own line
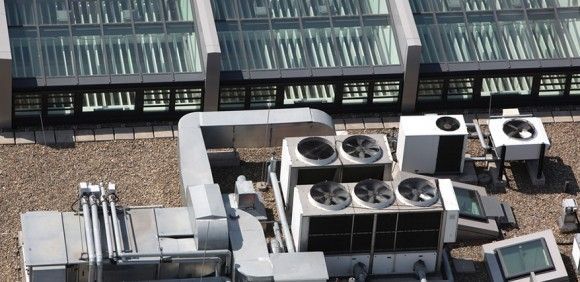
point(371, 224)
point(363, 157)
point(432, 144)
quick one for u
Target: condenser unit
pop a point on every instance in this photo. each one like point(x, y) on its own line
point(432, 144)
point(307, 160)
point(364, 157)
point(366, 223)
point(524, 138)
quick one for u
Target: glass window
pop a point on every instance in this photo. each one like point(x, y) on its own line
point(351, 47)
point(85, 11)
point(232, 98)
point(420, 6)
point(53, 11)
point(523, 258)
point(262, 97)
point(383, 48)
point(116, 11)
point(121, 54)
point(290, 45)
point(386, 92)
point(571, 34)
point(284, 8)
point(485, 36)
point(545, 35)
point(88, 49)
point(156, 100)
point(477, 5)
point(25, 56)
point(375, 7)
point(27, 104)
point(430, 51)
point(315, 8)
point(575, 85)
point(59, 104)
point(518, 85)
point(345, 7)
point(538, 4)
point(455, 38)
point(179, 10)
point(230, 43)
point(109, 101)
point(224, 9)
point(20, 12)
point(57, 53)
point(151, 41)
point(319, 45)
point(299, 94)
point(552, 85)
point(430, 89)
point(469, 203)
point(509, 4)
point(447, 5)
point(185, 53)
point(188, 99)
point(147, 10)
point(460, 89)
point(355, 93)
point(258, 45)
point(516, 36)
point(566, 3)
point(254, 9)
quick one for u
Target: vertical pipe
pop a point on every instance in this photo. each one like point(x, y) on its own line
point(501, 163)
point(281, 213)
point(107, 222)
point(89, 236)
point(97, 235)
point(116, 227)
point(278, 235)
point(541, 160)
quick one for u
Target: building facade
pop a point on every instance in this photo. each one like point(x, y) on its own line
point(121, 60)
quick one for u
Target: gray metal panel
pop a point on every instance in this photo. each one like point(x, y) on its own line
point(555, 63)
point(463, 66)
point(491, 207)
point(388, 69)
point(203, 199)
point(44, 238)
point(177, 245)
point(524, 64)
point(316, 72)
point(122, 79)
point(210, 52)
point(218, 137)
point(208, 216)
point(158, 77)
point(61, 81)
point(299, 266)
point(74, 235)
point(363, 70)
point(142, 232)
point(265, 74)
point(90, 80)
point(48, 274)
point(5, 72)
point(493, 65)
point(173, 222)
point(291, 73)
point(189, 76)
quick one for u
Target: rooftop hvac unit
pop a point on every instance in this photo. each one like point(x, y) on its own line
point(363, 157)
point(432, 144)
point(307, 160)
point(522, 138)
point(351, 221)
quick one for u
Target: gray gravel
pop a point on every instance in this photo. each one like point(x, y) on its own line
point(34, 177)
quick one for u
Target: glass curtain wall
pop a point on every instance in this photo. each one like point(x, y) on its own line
point(68, 38)
point(300, 34)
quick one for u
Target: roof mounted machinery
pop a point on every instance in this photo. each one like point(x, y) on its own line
point(385, 226)
point(432, 144)
point(311, 160)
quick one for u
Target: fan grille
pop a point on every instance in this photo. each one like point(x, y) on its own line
point(316, 149)
point(417, 192)
point(329, 195)
point(373, 193)
point(519, 129)
point(447, 123)
point(361, 149)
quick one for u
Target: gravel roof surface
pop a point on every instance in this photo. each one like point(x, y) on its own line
point(35, 177)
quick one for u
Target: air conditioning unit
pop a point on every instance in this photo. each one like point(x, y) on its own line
point(307, 160)
point(364, 157)
point(432, 144)
point(522, 138)
point(350, 221)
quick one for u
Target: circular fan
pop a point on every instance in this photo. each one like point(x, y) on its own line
point(361, 149)
point(519, 129)
point(417, 192)
point(329, 196)
point(373, 193)
point(316, 150)
point(447, 123)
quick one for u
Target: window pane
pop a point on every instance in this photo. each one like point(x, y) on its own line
point(53, 11)
point(518, 43)
point(552, 85)
point(25, 56)
point(109, 101)
point(232, 98)
point(469, 204)
point(383, 48)
point(524, 258)
point(116, 11)
point(224, 9)
point(85, 11)
point(455, 39)
point(478, 5)
point(351, 47)
point(308, 94)
point(27, 104)
point(430, 89)
point(575, 85)
point(520, 85)
point(179, 10)
point(20, 12)
point(290, 48)
point(375, 7)
point(460, 89)
point(345, 7)
point(447, 5)
point(59, 104)
point(511, 4)
point(121, 54)
point(156, 100)
point(57, 53)
point(386, 92)
point(284, 8)
point(355, 93)
point(185, 53)
point(571, 35)
point(230, 44)
point(430, 51)
point(89, 55)
point(545, 37)
point(486, 40)
point(254, 9)
point(147, 10)
point(258, 46)
point(315, 8)
point(262, 97)
point(188, 99)
point(319, 47)
point(152, 44)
